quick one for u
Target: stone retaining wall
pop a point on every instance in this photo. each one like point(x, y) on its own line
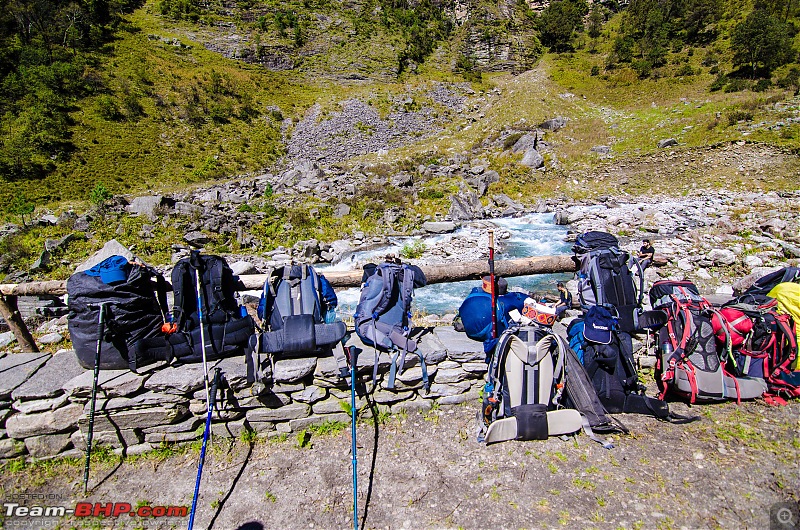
point(44, 398)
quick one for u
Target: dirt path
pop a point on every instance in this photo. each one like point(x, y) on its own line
point(427, 471)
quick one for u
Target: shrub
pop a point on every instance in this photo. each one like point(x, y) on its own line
point(99, 195)
point(413, 250)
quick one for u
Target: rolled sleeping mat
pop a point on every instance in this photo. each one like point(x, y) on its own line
point(303, 338)
point(534, 422)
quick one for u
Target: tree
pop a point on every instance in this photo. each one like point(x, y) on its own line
point(558, 21)
point(21, 206)
point(761, 42)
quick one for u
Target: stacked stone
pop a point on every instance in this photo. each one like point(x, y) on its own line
point(45, 399)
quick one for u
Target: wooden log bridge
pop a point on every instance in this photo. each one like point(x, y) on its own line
point(446, 273)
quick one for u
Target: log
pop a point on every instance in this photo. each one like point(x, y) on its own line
point(451, 272)
point(10, 313)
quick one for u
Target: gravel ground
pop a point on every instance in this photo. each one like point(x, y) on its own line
point(725, 470)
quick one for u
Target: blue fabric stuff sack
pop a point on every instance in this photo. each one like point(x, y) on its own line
point(111, 270)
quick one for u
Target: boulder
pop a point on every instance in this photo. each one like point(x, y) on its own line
point(112, 248)
point(441, 227)
point(667, 142)
point(532, 158)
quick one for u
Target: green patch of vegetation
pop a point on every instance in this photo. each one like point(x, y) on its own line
point(328, 427)
point(583, 484)
point(413, 249)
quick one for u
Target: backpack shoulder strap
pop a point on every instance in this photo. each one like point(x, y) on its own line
point(388, 273)
point(179, 284)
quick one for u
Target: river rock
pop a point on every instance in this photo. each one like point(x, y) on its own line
point(441, 227)
point(722, 256)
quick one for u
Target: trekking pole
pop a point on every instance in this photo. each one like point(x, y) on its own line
point(491, 279)
point(206, 433)
point(101, 322)
point(195, 262)
point(352, 359)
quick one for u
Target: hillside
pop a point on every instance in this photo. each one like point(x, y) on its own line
point(169, 97)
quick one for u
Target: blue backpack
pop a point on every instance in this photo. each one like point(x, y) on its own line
point(383, 314)
point(297, 312)
point(476, 314)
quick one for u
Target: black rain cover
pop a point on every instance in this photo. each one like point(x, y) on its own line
point(132, 313)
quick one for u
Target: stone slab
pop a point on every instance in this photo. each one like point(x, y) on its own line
point(269, 400)
point(181, 380)
point(289, 412)
point(17, 368)
point(134, 450)
point(170, 437)
point(49, 380)
point(431, 347)
point(146, 400)
point(40, 405)
point(114, 439)
point(136, 419)
point(47, 445)
point(441, 390)
point(454, 375)
point(63, 419)
point(417, 405)
point(11, 448)
point(460, 348)
point(189, 425)
point(110, 383)
point(230, 429)
point(291, 370)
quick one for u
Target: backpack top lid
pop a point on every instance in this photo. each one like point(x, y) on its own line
point(114, 269)
point(594, 240)
point(662, 291)
point(598, 325)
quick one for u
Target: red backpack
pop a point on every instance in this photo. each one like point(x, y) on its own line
point(769, 349)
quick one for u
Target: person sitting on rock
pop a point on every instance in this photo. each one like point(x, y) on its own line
point(565, 299)
point(646, 254)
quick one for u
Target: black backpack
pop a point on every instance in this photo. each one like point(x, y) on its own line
point(605, 278)
point(226, 326)
point(611, 368)
point(135, 307)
